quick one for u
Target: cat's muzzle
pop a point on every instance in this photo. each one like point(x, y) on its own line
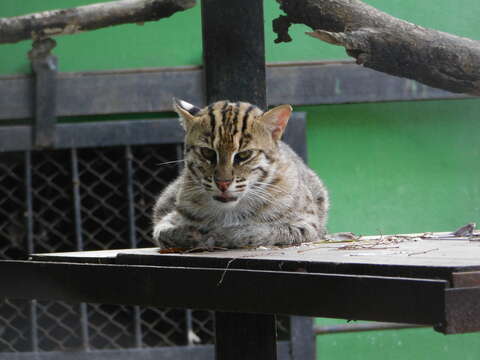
point(224, 198)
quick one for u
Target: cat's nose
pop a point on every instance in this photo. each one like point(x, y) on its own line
point(223, 184)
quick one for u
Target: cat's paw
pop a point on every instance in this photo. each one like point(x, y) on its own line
point(158, 229)
point(184, 237)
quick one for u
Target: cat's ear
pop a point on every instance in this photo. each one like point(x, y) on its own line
point(186, 111)
point(276, 120)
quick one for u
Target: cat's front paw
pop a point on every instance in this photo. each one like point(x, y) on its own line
point(182, 237)
point(230, 237)
point(157, 231)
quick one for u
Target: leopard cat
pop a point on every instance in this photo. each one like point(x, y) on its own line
point(241, 185)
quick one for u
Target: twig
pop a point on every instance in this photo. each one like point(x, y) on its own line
point(363, 247)
point(204, 248)
point(305, 250)
point(422, 252)
point(225, 271)
point(241, 257)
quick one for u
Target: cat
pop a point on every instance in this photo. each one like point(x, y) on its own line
point(241, 185)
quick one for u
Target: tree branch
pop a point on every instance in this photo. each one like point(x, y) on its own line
point(387, 44)
point(84, 18)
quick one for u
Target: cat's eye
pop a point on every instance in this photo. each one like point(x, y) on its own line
point(209, 154)
point(243, 155)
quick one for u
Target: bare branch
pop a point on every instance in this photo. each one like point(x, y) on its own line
point(387, 44)
point(84, 18)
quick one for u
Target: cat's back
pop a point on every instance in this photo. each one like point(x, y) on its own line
point(309, 181)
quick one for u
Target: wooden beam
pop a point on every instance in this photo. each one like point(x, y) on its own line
point(354, 297)
point(131, 132)
point(151, 90)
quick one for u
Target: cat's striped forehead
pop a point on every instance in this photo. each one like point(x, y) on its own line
point(229, 124)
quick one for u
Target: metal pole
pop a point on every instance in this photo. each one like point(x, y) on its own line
point(234, 65)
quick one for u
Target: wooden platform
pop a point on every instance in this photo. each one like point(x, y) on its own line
point(440, 250)
point(431, 280)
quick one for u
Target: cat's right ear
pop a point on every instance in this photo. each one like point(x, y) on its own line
point(186, 111)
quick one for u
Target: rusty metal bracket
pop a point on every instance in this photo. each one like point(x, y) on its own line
point(45, 68)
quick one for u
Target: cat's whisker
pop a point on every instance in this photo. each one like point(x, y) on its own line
point(263, 196)
point(270, 185)
point(267, 197)
point(170, 162)
point(284, 192)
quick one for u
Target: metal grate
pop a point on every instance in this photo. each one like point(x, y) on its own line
point(88, 199)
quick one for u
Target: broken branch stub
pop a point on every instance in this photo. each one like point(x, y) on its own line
point(85, 18)
point(384, 43)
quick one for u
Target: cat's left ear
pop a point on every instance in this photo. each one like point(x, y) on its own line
point(276, 120)
point(186, 111)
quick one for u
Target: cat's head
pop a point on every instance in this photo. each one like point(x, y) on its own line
point(231, 148)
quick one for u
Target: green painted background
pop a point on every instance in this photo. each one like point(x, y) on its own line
point(391, 167)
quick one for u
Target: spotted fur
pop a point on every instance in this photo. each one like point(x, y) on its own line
point(241, 186)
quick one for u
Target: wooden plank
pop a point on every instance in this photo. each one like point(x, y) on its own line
point(91, 134)
point(151, 90)
point(412, 251)
point(412, 259)
point(132, 132)
point(114, 92)
point(417, 301)
point(342, 83)
point(17, 97)
point(253, 261)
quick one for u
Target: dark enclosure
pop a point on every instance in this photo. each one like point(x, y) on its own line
point(95, 198)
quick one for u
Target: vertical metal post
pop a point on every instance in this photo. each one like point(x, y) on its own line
point(234, 51)
point(30, 246)
point(45, 66)
point(132, 236)
point(245, 336)
point(302, 338)
point(130, 198)
point(79, 239)
point(234, 65)
point(76, 200)
point(29, 201)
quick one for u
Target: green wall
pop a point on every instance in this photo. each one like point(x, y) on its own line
point(391, 167)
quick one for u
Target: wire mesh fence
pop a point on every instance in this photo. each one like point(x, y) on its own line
point(88, 199)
